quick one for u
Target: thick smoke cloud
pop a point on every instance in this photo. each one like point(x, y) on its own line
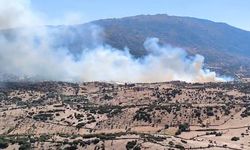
point(16, 13)
point(31, 51)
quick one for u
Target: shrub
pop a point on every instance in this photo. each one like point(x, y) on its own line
point(143, 116)
point(184, 127)
point(210, 113)
point(80, 125)
point(3, 145)
point(235, 138)
point(44, 137)
point(96, 141)
point(179, 147)
point(178, 132)
point(43, 117)
point(25, 146)
point(171, 143)
point(218, 134)
point(72, 147)
point(166, 126)
point(183, 141)
point(131, 145)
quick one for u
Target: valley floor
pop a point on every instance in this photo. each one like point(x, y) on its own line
point(96, 115)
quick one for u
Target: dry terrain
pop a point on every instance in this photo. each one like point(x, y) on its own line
point(96, 115)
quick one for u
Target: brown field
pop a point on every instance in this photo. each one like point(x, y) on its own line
point(96, 115)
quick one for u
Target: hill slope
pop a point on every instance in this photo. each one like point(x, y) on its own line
point(224, 47)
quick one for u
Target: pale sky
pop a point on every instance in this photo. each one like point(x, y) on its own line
point(233, 12)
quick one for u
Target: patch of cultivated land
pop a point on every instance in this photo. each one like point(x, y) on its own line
point(96, 115)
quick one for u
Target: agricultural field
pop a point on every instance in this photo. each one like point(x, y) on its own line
point(97, 115)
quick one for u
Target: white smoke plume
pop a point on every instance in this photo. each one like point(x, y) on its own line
point(29, 51)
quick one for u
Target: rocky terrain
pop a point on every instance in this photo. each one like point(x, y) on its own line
point(96, 115)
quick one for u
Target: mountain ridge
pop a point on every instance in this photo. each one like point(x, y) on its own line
point(226, 48)
point(208, 38)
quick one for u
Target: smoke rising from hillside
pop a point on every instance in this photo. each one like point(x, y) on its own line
point(30, 51)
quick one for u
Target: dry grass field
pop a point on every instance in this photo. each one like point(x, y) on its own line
point(96, 115)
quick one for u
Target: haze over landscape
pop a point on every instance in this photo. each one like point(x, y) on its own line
point(129, 75)
point(88, 52)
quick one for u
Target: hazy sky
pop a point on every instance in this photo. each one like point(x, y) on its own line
point(233, 12)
